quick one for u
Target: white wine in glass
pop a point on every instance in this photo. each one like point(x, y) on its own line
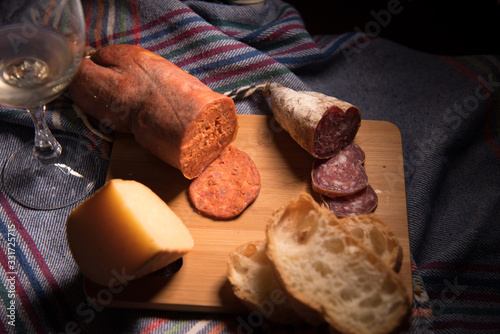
point(41, 46)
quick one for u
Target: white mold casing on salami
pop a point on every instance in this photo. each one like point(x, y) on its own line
point(320, 124)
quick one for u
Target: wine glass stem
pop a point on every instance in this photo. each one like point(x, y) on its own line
point(46, 148)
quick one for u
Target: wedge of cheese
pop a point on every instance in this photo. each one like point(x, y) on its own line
point(125, 231)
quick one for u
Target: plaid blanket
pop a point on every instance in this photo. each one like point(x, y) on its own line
point(447, 109)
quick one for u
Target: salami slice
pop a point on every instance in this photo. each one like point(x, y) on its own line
point(227, 186)
point(364, 201)
point(342, 174)
point(321, 124)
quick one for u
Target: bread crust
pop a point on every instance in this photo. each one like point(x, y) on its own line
point(254, 282)
point(304, 241)
point(377, 236)
point(328, 271)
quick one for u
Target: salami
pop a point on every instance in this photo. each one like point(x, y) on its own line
point(170, 112)
point(342, 174)
point(226, 188)
point(364, 201)
point(320, 124)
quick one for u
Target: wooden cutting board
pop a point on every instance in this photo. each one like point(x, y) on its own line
point(201, 283)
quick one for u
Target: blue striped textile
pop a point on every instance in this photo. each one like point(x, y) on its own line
point(447, 109)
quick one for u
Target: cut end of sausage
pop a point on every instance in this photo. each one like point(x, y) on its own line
point(212, 131)
point(320, 124)
point(335, 130)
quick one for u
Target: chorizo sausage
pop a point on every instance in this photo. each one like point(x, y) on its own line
point(170, 112)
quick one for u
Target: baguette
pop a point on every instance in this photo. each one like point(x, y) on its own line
point(256, 285)
point(326, 270)
point(254, 282)
point(376, 235)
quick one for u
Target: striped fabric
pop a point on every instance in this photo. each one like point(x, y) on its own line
point(447, 109)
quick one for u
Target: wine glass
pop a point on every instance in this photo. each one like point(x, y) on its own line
point(41, 47)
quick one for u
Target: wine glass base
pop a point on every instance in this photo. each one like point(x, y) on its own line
point(66, 181)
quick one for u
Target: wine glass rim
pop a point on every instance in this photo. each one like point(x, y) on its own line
point(19, 35)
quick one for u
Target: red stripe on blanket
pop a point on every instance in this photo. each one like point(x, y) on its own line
point(45, 270)
point(166, 17)
point(422, 312)
point(20, 291)
point(290, 11)
point(181, 37)
point(137, 23)
point(282, 31)
point(98, 24)
point(238, 71)
point(88, 18)
point(147, 26)
point(30, 243)
point(48, 13)
point(103, 148)
point(155, 324)
point(209, 53)
point(217, 328)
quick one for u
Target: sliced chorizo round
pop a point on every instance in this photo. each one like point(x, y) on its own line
point(227, 186)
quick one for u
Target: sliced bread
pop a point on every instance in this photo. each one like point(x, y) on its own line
point(377, 236)
point(327, 270)
point(255, 284)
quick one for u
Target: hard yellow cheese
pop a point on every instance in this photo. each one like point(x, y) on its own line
point(125, 230)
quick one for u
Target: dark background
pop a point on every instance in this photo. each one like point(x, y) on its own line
point(444, 27)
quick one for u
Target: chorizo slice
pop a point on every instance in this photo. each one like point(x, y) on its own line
point(342, 174)
point(227, 187)
point(170, 112)
point(364, 201)
point(320, 124)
